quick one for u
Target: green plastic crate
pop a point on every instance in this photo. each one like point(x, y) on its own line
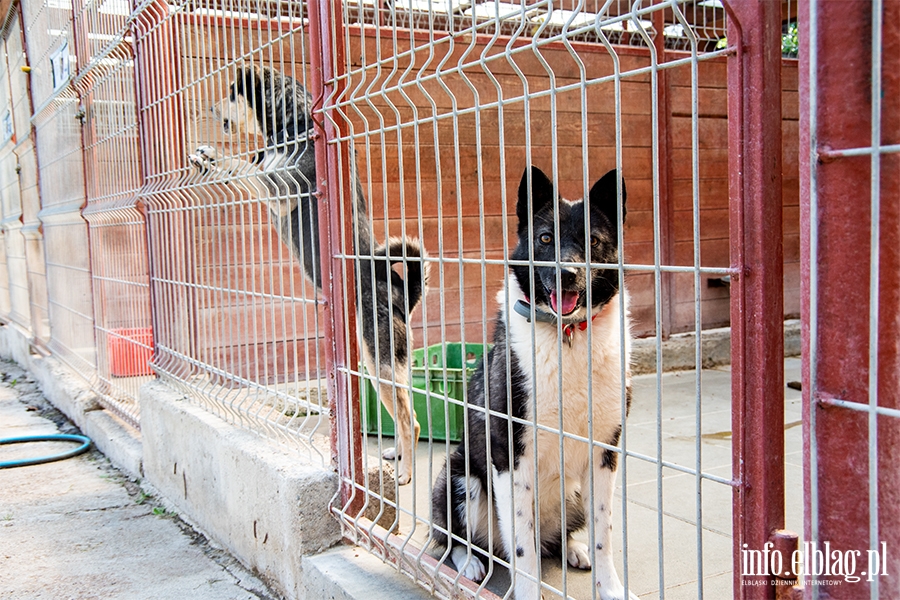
point(461, 361)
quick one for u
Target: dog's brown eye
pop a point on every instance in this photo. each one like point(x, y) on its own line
point(595, 241)
point(546, 238)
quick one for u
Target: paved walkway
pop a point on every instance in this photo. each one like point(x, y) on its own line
point(78, 529)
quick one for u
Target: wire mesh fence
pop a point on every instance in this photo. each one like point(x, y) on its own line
point(25, 297)
point(116, 231)
point(50, 39)
point(444, 110)
point(238, 325)
point(336, 224)
point(12, 203)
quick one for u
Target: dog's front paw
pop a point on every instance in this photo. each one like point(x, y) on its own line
point(471, 567)
point(615, 592)
point(404, 469)
point(578, 555)
point(404, 476)
point(203, 159)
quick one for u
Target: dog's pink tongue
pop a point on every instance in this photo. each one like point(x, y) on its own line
point(565, 303)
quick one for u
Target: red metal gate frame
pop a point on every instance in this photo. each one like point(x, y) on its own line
point(843, 428)
point(757, 297)
point(333, 185)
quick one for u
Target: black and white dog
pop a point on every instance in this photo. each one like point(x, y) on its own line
point(548, 372)
point(264, 102)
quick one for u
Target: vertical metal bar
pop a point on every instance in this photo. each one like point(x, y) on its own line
point(809, 251)
point(657, 283)
point(333, 175)
point(664, 150)
point(698, 314)
point(874, 263)
point(757, 314)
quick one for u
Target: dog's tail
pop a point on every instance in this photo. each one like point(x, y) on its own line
point(411, 253)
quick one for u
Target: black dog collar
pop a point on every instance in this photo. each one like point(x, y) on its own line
point(524, 308)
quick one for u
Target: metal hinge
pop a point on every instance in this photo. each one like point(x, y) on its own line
point(788, 586)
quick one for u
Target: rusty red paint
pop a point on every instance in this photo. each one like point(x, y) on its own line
point(843, 190)
point(333, 173)
point(757, 344)
point(785, 544)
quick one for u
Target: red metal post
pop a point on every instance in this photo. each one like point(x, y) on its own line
point(757, 311)
point(334, 186)
point(837, 440)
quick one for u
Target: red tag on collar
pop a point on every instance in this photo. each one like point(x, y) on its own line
point(569, 328)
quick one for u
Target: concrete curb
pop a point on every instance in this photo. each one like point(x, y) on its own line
point(351, 573)
point(266, 505)
point(679, 351)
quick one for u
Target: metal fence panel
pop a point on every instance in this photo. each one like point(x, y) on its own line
point(50, 39)
point(15, 301)
point(237, 324)
point(444, 104)
point(116, 230)
point(9, 208)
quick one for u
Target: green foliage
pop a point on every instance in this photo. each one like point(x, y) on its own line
point(790, 44)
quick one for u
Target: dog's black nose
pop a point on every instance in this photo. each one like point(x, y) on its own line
point(567, 277)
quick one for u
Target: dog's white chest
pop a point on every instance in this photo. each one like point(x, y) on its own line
point(576, 384)
point(575, 376)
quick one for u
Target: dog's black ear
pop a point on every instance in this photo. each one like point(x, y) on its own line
point(603, 196)
point(242, 84)
point(237, 87)
point(247, 83)
point(542, 194)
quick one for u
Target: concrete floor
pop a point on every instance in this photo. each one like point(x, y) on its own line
point(662, 545)
point(78, 529)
